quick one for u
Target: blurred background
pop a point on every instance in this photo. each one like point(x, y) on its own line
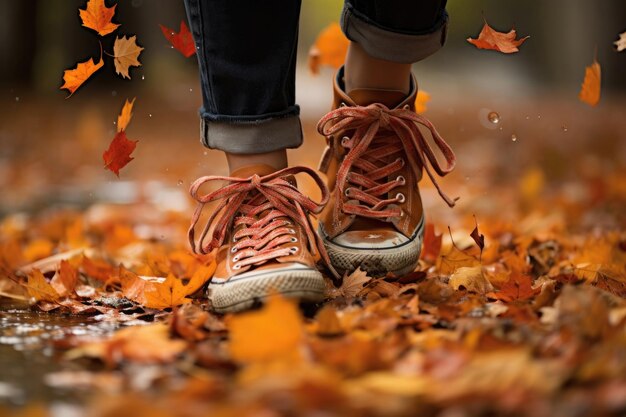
point(545, 140)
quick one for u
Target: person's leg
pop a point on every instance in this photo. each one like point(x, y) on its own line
point(387, 36)
point(376, 151)
point(260, 231)
point(247, 55)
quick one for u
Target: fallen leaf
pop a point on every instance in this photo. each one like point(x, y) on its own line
point(421, 99)
point(118, 154)
point(472, 279)
point(518, 287)
point(182, 41)
point(125, 115)
point(478, 237)
point(590, 90)
point(126, 54)
point(74, 78)
point(169, 293)
point(39, 288)
point(272, 333)
point(351, 285)
point(431, 247)
point(620, 44)
point(328, 322)
point(38, 249)
point(65, 280)
point(488, 38)
point(330, 48)
point(98, 17)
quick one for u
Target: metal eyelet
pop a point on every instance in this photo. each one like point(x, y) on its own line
point(235, 258)
point(294, 239)
point(402, 161)
point(401, 198)
point(237, 266)
point(293, 249)
point(342, 104)
point(401, 180)
point(347, 192)
point(233, 249)
point(406, 107)
point(292, 231)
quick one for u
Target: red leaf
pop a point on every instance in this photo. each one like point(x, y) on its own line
point(518, 287)
point(489, 38)
point(432, 244)
point(118, 154)
point(183, 41)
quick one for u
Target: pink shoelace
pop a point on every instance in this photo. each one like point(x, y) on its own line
point(379, 133)
point(258, 240)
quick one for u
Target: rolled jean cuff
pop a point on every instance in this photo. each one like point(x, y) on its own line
point(386, 44)
point(243, 136)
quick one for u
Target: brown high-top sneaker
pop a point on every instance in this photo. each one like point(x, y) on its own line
point(264, 238)
point(374, 160)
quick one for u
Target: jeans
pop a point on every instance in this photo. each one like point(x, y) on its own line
point(247, 61)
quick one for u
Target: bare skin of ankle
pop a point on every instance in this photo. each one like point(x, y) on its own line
point(276, 159)
point(365, 71)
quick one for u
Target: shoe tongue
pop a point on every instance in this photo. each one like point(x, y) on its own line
point(367, 96)
point(249, 170)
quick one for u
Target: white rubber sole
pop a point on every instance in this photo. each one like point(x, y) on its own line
point(243, 291)
point(399, 260)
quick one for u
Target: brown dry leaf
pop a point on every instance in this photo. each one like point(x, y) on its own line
point(98, 17)
point(126, 54)
point(590, 89)
point(472, 279)
point(432, 244)
point(125, 115)
point(518, 287)
point(65, 280)
point(329, 48)
point(39, 288)
point(74, 78)
point(497, 41)
point(272, 333)
point(620, 44)
point(351, 285)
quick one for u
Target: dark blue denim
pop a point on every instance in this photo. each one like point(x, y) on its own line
point(247, 60)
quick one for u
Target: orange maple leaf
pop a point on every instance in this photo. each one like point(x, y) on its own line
point(65, 280)
point(169, 293)
point(330, 48)
point(488, 38)
point(118, 154)
point(74, 78)
point(126, 54)
point(125, 115)
point(98, 17)
point(183, 41)
point(39, 288)
point(590, 90)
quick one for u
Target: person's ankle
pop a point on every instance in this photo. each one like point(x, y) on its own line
point(364, 71)
point(276, 159)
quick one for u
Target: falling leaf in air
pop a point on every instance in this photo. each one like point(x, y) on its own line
point(272, 333)
point(431, 246)
point(98, 17)
point(126, 54)
point(183, 41)
point(330, 48)
point(74, 78)
point(620, 44)
point(39, 288)
point(125, 115)
point(488, 38)
point(118, 154)
point(478, 237)
point(590, 90)
point(421, 99)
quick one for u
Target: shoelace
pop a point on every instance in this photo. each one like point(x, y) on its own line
point(259, 239)
point(369, 149)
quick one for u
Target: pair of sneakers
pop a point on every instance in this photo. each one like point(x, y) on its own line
point(370, 214)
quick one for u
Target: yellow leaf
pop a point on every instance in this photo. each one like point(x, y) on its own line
point(274, 332)
point(620, 44)
point(38, 249)
point(98, 17)
point(590, 91)
point(202, 275)
point(471, 278)
point(330, 48)
point(420, 101)
point(39, 288)
point(125, 115)
point(126, 53)
point(74, 78)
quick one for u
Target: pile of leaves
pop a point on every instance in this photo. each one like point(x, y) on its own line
point(492, 321)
